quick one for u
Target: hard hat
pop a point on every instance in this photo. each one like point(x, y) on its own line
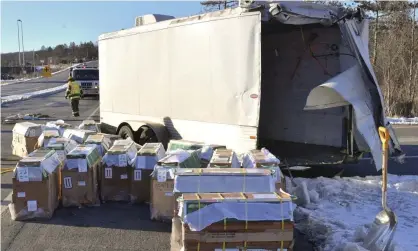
point(70, 79)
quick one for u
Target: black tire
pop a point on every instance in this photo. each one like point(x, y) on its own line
point(125, 132)
point(146, 135)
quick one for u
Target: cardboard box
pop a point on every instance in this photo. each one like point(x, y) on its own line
point(162, 199)
point(147, 158)
point(223, 158)
point(115, 174)
point(79, 177)
point(232, 226)
point(25, 138)
point(35, 186)
point(266, 160)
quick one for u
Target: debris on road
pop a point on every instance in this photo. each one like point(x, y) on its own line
point(16, 117)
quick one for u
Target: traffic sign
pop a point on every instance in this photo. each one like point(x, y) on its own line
point(46, 71)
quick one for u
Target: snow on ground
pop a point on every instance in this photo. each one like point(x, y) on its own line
point(346, 207)
point(20, 80)
point(26, 96)
point(403, 121)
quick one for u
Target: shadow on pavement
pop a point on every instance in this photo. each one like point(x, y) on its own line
point(108, 215)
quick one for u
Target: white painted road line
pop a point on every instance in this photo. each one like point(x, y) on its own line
point(91, 115)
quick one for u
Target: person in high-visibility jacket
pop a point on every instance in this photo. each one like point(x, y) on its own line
point(75, 93)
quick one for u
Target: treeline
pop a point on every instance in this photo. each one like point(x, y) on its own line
point(60, 54)
point(393, 46)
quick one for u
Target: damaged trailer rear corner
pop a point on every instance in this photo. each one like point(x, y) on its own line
point(356, 86)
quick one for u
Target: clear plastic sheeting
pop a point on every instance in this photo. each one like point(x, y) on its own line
point(121, 154)
point(90, 125)
point(60, 125)
point(103, 143)
point(77, 135)
point(226, 183)
point(32, 168)
point(80, 164)
point(62, 146)
point(242, 211)
point(266, 157)
point(27, 213)
point(46, 136)
point(27, 129)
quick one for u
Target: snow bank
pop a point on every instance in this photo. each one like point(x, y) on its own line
point(26, 96)
point(346, 207)
point(21, 80)
point(403, 121)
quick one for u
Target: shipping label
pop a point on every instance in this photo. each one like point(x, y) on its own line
point(68, 184)
point(137, 175)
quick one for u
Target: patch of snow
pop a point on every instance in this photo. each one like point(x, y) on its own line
point(21, 80)
point(403, 121)
point(26, 96)
point(346, 208)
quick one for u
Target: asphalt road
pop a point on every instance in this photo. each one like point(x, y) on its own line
point(115, 226)
point(38, 84)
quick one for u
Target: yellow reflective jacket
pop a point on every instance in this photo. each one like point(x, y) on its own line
point(74, 90)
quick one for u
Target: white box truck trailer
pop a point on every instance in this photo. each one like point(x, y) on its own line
point(288, 76)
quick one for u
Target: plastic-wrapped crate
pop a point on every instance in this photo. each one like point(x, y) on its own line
point(78, 135)
point(46, 136)
point(62, 146)
point(25, 138)
point(103, 143)
point(212, 221)
point(90, 125)
point(264, 159)
point(222, 180)
point(146, 159)
point(206, 149)
point(79, 177)
point(224, 158)
point(162, 182)
point(114, 175)
point(35, 186)
point(111, 137)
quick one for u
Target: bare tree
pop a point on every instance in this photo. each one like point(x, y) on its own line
point(218, 5)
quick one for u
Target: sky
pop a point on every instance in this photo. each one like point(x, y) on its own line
point(50, 23)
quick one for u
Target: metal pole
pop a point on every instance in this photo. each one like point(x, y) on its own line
point(18, 40)
point(23, 45)
point(33, 60)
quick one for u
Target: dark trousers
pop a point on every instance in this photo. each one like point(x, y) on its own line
point(74, 106)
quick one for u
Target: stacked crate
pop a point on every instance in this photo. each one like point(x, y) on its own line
point(242, 221)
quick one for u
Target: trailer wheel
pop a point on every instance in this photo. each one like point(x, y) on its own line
point(146, 135)
point(125, 132)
